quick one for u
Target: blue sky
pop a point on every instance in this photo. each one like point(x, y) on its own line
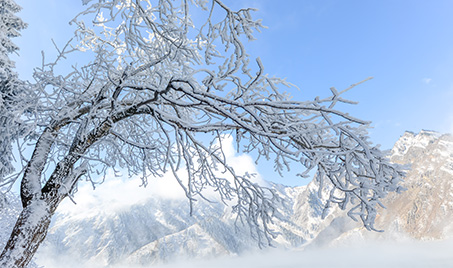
point(406, 45)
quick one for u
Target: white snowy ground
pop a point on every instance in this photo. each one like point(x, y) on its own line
point(376, 255)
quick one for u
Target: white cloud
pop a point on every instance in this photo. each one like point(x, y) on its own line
point(242, 163)
point(120, 193)
point(427, 80)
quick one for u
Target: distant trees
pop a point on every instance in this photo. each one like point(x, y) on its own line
point(10, 86)
point(160, 89)
point(10, 25)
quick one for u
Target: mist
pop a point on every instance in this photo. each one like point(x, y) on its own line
point(370, 254)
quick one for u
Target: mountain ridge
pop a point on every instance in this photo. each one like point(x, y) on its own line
point(158, 230)
point(425, 210)
point(417, 213)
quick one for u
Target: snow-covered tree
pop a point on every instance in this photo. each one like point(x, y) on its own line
point(165, 82)
point(10, 85)
point(10, 25)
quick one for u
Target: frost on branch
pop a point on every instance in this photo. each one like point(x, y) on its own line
point(162, 88)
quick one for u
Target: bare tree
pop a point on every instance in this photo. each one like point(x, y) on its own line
point(162, 87)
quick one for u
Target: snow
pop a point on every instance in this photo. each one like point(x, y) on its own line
point(449, 170)
point(9, 211)
point(151, 225)
point(144, 115)
point(121, 218)
point(410, 139)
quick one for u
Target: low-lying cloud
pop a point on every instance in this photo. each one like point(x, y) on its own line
point(387, 254)
point(365, 255)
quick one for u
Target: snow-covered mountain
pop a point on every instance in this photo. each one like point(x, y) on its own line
point(156, 229)
point(425, 210)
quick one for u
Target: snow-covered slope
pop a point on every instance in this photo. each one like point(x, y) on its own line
point(158, 230)
point(425, 210)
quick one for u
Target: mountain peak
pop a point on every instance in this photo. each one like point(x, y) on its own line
point(412, 141)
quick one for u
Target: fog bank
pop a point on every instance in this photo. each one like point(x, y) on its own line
point(364, 255)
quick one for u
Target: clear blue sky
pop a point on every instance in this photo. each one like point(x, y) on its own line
point(407, 45)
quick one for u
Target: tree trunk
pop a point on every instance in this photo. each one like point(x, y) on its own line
point(28, 233)
point(40, 204)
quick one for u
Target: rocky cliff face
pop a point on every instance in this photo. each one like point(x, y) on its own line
point(425, 210)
